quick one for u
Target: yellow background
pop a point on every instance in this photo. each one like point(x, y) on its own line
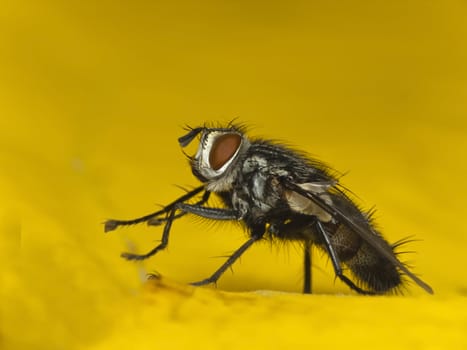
point(93, 96)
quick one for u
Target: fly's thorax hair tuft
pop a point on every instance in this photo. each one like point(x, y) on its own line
point(218, 153)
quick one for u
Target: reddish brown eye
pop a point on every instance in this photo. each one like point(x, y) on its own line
point(223, 148)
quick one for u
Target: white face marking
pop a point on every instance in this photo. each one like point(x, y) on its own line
point(303, 205)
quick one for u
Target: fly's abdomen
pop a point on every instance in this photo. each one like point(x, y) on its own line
point(371, 269)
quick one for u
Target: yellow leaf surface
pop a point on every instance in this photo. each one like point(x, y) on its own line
point(93, 96)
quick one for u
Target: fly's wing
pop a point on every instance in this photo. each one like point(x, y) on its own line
point(342, 213)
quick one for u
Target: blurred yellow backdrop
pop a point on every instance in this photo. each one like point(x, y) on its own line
point(93, 96)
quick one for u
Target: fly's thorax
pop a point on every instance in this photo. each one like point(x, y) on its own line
point(216, 160)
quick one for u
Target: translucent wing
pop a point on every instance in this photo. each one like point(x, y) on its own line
point(346, 215)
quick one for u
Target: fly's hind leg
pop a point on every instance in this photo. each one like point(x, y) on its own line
point(307, 278)
point(336, 261)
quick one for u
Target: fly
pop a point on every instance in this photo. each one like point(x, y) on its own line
point(280, 193)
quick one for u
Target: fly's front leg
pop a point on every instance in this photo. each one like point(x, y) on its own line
point(197, 209)
point(156, 221)
point(112, 224)
point(209, 213)
point(161, 246)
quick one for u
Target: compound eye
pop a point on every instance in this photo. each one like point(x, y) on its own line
point(223, 148)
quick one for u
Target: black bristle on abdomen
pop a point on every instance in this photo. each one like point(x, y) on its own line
point(373, 271)
point(376, 273)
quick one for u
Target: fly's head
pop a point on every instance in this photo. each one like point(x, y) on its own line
point(217, 158)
